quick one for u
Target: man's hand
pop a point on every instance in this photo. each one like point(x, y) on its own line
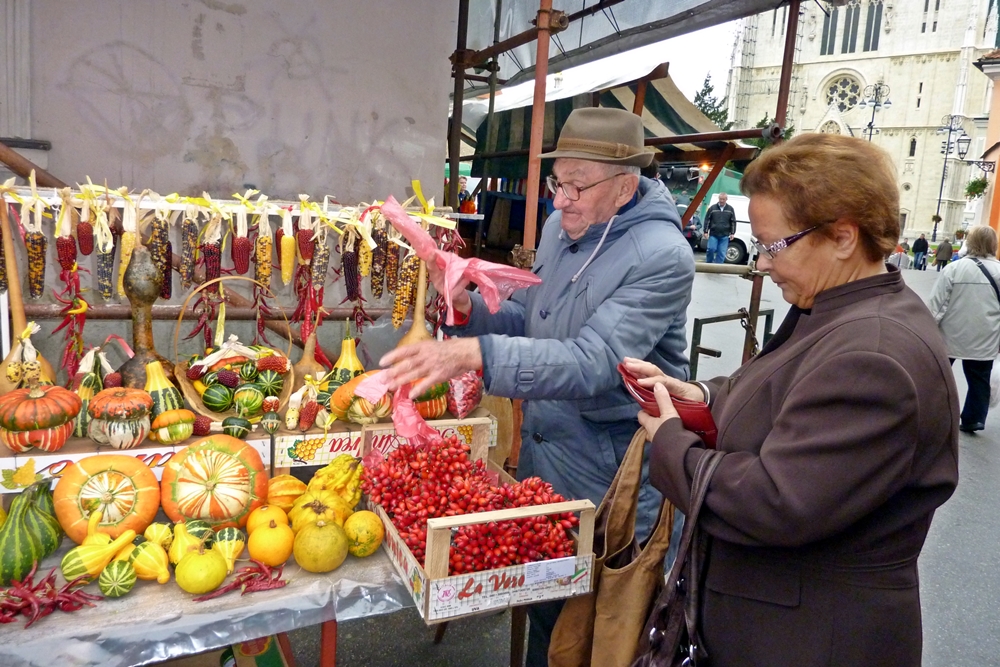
point(732, 236)
point(667, 411)
point(705, 235)
point(431, 362)
point(460, 298)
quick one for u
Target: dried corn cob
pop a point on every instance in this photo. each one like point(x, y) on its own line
point(305, 232)
point(167, 288)
point(320, 261)
point(287, 247)
point(364, 258)
point(104, 241)
point(189, 246)
point(85, 230)
point(378, 261)
point(36, 244)
point(65, 243)
point(160, 251)
point(262, 257)
point(212, 255)
point(391, 267)
point(406, 289)
point(127, 243)
point(66, 252)
point(349, 257)
point(3, 260)
point(242, 247)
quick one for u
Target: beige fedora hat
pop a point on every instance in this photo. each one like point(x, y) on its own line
point(613, 136)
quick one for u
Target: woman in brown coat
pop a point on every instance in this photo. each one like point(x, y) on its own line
point(840, 436)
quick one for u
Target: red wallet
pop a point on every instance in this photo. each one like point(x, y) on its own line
point(695, 415)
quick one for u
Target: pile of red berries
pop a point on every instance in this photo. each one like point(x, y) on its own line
point(415, 483)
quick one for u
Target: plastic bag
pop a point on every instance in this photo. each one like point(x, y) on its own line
point(496, 281)
point(464, 394)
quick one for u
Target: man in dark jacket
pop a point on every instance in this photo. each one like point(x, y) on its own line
point(720, 227)
point(920, 253)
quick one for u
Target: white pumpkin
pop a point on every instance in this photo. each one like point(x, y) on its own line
point(119, 433)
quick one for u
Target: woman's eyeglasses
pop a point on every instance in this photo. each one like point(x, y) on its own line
point(570, 191)
point(769, 250)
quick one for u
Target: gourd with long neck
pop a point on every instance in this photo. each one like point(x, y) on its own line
point(142, 284)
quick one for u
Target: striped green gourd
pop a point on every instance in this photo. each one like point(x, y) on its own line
point(217, 397)
point(248, 372)
point(270, 382)
point(27, 537)
point(210, 378)
point(89, 560)
point(89, 385)
point(117, 578)
point(201, 530)
point(165, 395)
point(249, 399)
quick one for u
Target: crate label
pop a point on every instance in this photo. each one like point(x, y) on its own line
point(549, 570)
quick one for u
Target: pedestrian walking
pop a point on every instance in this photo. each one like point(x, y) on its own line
point(720, 228)
point(966, 304)
point(943, 254)
point(920, 253)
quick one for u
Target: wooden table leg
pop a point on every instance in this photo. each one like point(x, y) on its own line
point(286, 648)
point(439, 632)
point(518, 628)
point(328, 644)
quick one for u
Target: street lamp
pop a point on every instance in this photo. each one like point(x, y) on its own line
point(877, 97)
point(950, 124)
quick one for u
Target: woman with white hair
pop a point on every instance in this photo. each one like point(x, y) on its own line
point(966, 305)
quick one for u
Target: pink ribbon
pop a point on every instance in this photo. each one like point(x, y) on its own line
point(496, 282)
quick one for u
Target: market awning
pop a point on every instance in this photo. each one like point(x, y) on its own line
point(604, 28)
point(666, 112)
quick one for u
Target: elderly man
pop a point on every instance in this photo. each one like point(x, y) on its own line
point(617, 275)
point(720, 228)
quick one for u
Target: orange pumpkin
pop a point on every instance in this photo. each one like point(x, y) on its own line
point(344, 405)
point(120, 403)
point(122, 488)
point(433, 408)
point(37, 417)
point(218, 479)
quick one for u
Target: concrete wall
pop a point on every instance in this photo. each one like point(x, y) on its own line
point(337, 97)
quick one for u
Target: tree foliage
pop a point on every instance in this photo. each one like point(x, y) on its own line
point(765, 122)
point(714, 108)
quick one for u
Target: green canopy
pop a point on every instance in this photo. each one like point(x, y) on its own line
point(464, 169)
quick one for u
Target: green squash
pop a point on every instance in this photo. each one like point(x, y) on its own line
point(117, 578)
point(200, 530)
point(248, 399)
point(29, 534)
point(248, 372)
point(210, 378)
point(236, 427)
point(270, 382)
point(218, 398)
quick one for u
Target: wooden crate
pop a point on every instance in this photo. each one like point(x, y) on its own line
point(440, 597)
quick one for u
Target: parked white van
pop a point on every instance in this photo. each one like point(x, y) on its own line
point(739, 248)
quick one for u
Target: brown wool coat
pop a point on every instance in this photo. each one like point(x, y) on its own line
point(842, 440)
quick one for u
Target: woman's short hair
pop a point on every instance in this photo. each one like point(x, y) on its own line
point(981, 242)
point(820, 178)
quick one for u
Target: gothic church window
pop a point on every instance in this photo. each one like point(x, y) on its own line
point(852, 14)
point(830, 127)
point(873, 25)
point(829, 42)
point(843, 91)
point(913, 147)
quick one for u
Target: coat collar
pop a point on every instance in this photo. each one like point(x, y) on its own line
point(852, 292)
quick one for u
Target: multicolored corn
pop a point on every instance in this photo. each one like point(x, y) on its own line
point(352, 277)
point(391, 267)
point(378, 261)
point(189, 247)
point(36, 244)
point(406, 289)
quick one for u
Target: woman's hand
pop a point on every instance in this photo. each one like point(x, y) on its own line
point(649, 375)
point(667, 411)
point(431, 362)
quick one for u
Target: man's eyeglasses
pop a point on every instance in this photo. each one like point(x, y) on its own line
point(570, 191)
point(771, 249)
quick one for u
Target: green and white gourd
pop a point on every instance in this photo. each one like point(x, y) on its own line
point(218, 398)
point(270, 382)
point(117, 578)
point(29, 534)
point(119, 433)
point(249, 400)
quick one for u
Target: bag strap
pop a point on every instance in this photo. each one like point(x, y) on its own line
point(703, 475)
point(989, 277)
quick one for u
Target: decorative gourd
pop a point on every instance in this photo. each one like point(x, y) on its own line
point(237, 427)
point(160, 533)
point(120, 417)
point(433, 403)
point(26, 537)
point(165, 395)
point(270, 382)
point(344, 405)
point(348, 365)
point(218, 479)
point(201, 571)
point(284, 490)
point(141, 282)
point(87, 560)
point(248, 399)
point(217, 397)
point(117, 578)
point(318, 505)
point(95, 536)
point(172, 426)
point(150, 562)
point(122, 488)
point(201, 530)
point(40, 416)
point(248, 372)
point(89, 385)
point(182, 543)
point(230, 543)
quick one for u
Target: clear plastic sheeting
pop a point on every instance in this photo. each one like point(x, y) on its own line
point(621, 27)
point(158, 622)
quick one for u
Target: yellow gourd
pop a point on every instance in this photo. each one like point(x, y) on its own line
point(183, 543)
point(348, 365)
point(230, 543)
point(159, 533)
point(151, 562)
point(87, 560)
point(94, 536)
point(125, 553)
